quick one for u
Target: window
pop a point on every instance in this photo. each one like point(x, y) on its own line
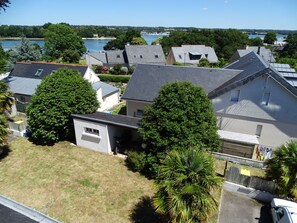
point(92, 131)
point(23, 99)
point(141, 56)
point(156, 56)
point(38, 72)
point(195, 56)
point(179, 56)
point(206, 55)
point(259, 130)
point(118, 56)
point(235, 95)
point(265, 99)
point(139, 113)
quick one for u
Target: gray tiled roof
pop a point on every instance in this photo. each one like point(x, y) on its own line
point(115, 57)
point(21, 85)
point(118, 120)
point(147, 80)
point(101, 56)
point(106, 88)
point(29, 69)
point(145, 54)
point(252, 66)
point(181, 54)
point(266, 54)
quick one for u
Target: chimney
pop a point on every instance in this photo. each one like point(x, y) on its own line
point(259, 48)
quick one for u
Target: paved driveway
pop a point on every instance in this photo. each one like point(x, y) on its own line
point(238, 207)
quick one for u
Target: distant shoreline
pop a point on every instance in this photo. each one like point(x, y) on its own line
point(19, 38)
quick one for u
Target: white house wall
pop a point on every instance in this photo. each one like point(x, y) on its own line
point(109, 101)
point(278, 118)
point(133, 106)
point(91, 76)
point(99, 143)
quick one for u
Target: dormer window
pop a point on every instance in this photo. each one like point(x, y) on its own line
point(206, 55)
point(38, 72)
point(195, 56)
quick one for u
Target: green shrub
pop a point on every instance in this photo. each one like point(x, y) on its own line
point(136, 161)
point(113, 78)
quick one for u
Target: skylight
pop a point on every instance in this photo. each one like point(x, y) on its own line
point(38, 72)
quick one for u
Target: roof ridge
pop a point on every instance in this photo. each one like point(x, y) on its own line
point(52, 63)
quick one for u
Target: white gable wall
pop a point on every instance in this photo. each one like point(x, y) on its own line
point(91, 76)
point(278, 118)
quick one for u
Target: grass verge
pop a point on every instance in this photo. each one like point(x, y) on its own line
point(71, 184)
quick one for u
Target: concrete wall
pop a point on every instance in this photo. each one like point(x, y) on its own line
point(278, 118)
point(133, 106)
point(99, 143)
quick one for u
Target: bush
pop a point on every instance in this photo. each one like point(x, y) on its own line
point(113, 78)
point(97, 69)
point(136, 161)
point(116, 69)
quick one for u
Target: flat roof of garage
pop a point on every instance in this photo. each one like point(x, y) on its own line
point(106, 118)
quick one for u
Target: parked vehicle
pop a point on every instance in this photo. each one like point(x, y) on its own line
point(283, 211)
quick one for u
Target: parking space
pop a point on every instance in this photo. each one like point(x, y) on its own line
point(237, 206)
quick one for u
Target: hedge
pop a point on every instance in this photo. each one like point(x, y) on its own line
point(115, 78)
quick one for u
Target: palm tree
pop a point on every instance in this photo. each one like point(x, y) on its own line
point(184, 184)
point(6, 102)
point(282, 169)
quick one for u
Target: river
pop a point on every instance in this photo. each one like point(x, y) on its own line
point(95, 45)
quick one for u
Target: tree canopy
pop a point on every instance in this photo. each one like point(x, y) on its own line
point(122, 40)
point(59, 95)
point(60, 40)
point(290, 48)
point(3, 60)
point(181, 116)
point(282, 169)
point(184, 185)
point(270, 38)
point(25, 52)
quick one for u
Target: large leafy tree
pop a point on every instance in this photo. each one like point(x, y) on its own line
point(25, 52)
point(290, 48)
point(6, 102)
point(282, 169)
point(185, 184)
point(122, 40)
point(58, 96)
point(60, 39)
point(3, 60)
point(270, 38)
point(4, 4)
point(181, 116)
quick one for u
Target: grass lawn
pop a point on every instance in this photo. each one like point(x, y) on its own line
point(72, 184)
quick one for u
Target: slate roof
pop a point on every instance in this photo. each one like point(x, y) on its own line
point(106, 88)
point(181, 54)
point(21, 85)
point(147, 80)
point(101, 56)
point(252, 66)
point(266, 54)
point(145, 54)
point(117, 120)
point(29, 70)
point(115, 57)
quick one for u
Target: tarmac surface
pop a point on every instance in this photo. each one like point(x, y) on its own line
point(10, 216)
point(239, 204)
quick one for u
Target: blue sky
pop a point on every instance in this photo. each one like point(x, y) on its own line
point(249, 14)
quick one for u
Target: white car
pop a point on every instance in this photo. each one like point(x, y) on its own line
point(283, 211)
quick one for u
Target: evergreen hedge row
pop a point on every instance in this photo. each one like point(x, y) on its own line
point(115, 78)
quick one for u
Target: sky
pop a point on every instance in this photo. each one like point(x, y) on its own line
point(239, 14)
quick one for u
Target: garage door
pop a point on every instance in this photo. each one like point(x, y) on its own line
point(237, 149)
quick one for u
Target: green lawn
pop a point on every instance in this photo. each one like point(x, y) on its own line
point(73, 184)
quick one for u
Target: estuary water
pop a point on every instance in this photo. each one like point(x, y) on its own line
point(92, 45)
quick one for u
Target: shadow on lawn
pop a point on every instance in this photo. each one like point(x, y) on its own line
point(144, 212)
point(4, 151)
